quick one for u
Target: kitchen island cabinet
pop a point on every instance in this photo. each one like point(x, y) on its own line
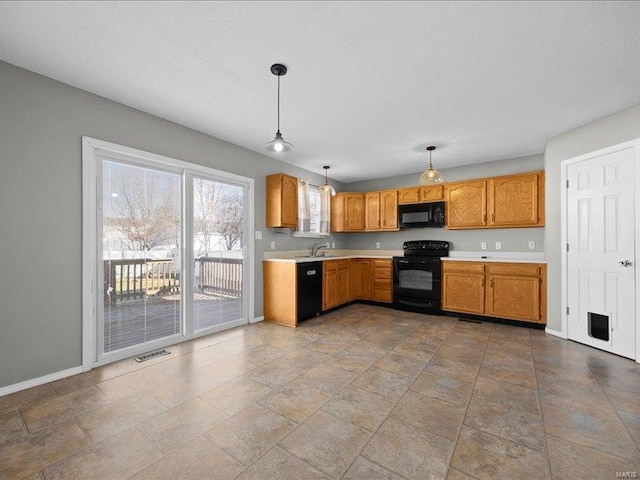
point(513, 291)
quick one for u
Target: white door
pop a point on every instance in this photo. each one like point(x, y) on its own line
point(601, 255)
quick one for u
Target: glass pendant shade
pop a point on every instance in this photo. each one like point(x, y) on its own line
point(326, 188)
point(431, 176)
point(278, 144)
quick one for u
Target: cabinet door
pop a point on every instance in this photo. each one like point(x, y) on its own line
point(343, 283)
point(360, 279)
point(513, 201)
point(282, 201)
point(463, 292)
point(354, 212)
point(513, 297)
point(433, 193)
point(329, 284)
point(466, 204)
point(389, 210)
point(409, 195)
point(372, 213)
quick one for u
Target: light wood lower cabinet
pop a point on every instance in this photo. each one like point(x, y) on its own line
point(382, 281)
point(515, 291)
point(335, 285)
point(360, 276)
point(280, 292)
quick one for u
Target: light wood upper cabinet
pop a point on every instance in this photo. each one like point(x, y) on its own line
point(420, 194)
point(516, 200)
point(466, 204)
point(381, 210)
point(501, 202)
point(347, 212)
point(282, 201)
point(515, 291)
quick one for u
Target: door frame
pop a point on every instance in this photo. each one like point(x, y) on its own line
point(91, 149)
point(564, 234)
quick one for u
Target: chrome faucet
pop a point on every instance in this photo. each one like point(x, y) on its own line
point(316, 247)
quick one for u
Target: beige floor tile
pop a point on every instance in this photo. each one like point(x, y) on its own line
point(27, 397)
point(330, 347)
point(512, 373)
point(485, 456)
point(506, 422)
point(295, 401)
point(462, 354)
point(58, 409)
point(197, 460)
point(409, 451)
point(509, 394)
point(118, 416)
point(352, 361)
point(383, 383)
point(444, 367)
point(179, 390)
point(263, 354)
point(569, 460)
point(364, 469)
point(416, 352)
point(603, 435)
point(23, 456)
point(117, 457)
point(360, 407)
point(326, 378)
point(632, 422)
point(11, 427)
point(400, 365)
point(427, 413)
point(179, 425)
point(574, 377)
point(236, 395)
point(595, 404)
point(454, 474)
point(279, 464)
point(277, 373)
point(443, 388)
point(623, 401)
point(326, 442)
point(251, 433)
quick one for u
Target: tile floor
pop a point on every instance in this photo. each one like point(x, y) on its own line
point(362, 393)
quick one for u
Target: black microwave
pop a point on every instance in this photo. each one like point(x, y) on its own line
point(421, 215)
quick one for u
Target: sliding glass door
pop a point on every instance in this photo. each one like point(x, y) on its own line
point(171, 251)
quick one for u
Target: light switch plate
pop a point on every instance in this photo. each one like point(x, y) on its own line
point(498, 245)
point(483, 245)
point(333, 244)
point(377, 244)
point(273, 244)
point(258, 235)
point(532, 245)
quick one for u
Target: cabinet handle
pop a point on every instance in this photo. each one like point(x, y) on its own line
point(484, 218)
point(493, 217)
point(492, 283)
point(483, 281)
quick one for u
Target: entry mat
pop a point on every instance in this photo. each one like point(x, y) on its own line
point(149, 356)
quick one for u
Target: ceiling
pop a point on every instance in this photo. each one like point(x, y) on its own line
point(370, 84)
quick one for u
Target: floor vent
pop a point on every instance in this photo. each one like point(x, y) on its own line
point(149, 356)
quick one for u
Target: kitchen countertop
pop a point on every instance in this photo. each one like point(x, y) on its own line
point(302, 256)
point(507, 257)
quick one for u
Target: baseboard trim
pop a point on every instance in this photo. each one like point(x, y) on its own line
point(257, 319)
point(555, 333)
point(34, 382)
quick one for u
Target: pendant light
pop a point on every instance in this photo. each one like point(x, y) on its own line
point(326, 188)
point(431, 176)
point(278, 144)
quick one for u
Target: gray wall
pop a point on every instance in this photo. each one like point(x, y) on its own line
point(617, 128)
point(513, 239)
point(41, 125)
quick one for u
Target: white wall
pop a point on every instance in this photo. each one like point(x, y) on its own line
point(617, 128)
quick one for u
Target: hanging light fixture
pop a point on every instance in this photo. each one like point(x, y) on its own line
point(431, 176)
point(326, 188)
point(278, 144)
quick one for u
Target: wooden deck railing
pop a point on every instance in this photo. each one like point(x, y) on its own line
point(220, 275)
point(132, 279)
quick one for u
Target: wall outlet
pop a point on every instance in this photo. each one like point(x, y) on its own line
point(333, 244)
point(483, 245)
point(498, 245)
point(273, 244)
point(532, 245)
point(377, 244)
point(258, 235)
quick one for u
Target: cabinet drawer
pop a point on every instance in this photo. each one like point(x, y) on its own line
point(382, 295)
point(381, 283)
point(343, 264)
point(330, 265)
point(523, 269)
point(463, 267)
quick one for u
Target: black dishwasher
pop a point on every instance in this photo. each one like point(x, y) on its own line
point(309, 289)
